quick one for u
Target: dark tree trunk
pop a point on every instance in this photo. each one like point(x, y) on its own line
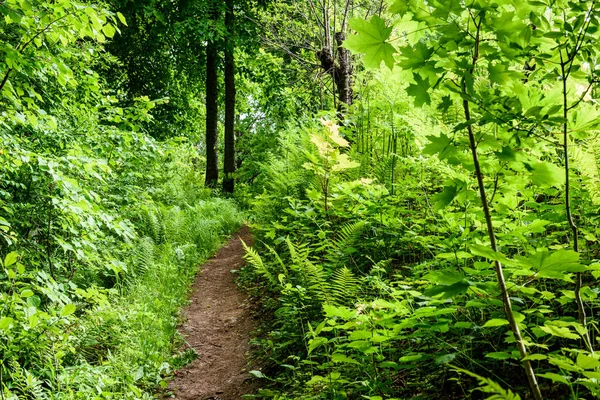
point(340, 70)
point(212, 113)
point(229, 156)
point(343, 73)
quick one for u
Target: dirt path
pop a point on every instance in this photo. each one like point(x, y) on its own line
point(217, 326)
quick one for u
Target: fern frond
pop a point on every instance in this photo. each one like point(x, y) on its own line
point(346, 237)
point(491, 387)
point(256, 261)
point(298, 252)
point(279, 260)
point(317, 280)
point(344, 286)
point(142, 259)
point(586, 158)
point(383, 169)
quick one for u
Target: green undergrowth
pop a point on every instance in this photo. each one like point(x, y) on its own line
point(130, 345)
point(89, 304)
point(382, 291)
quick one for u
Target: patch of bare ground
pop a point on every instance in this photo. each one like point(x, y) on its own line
point(217, 325)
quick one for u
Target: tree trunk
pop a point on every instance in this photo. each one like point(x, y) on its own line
point(212, 112)
point(229, 156)
point(344, 73)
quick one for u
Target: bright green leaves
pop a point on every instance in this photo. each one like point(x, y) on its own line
point(556, 265)
point(546, 174)
point(415, 57)
point(372, 41)
point(559, 330)
point(68, 310)
point(449, 284)
point(121, 18)
point(10, 259)
point(494, 322)
point(420, 90)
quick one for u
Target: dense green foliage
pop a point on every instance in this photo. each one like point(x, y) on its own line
point(101, 226)
point(435, 235)
point(453, 245)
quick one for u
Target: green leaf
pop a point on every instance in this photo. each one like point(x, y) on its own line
point(341, 358)
point(445, 197)
point(341, 312)
point(415, 57)
point(555, 377)
point(419, 90)
point(371, 40)
point(536, 357)
point(122, 18)
point(553, 264)
point(109, 30)
point(499, 73)
point(444, 277)
point(10, 259)
point(559, 331)
point(68, 310)
point(546, 174)
point(5, 323)
point(407, 359)
point(445, 359)
point(495, 322)
point(587, 362)
point(257, 374)
point(499, 355)
point(487, 252)
point(315, 343)
point(437, 144)
point(399, 7)
point(448, 290)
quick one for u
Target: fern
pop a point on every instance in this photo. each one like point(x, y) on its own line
point(344, 286)
point(149, 225)
point(312, 275)
point(142, 258)
point(346, 237)
point(586, 158)
point(384, 168)
point(25, 382)
point(487, 385)
point(256, 261)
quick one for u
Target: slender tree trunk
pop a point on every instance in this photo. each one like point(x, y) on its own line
point(212, 112)
point(505, 296)
point(229, 156)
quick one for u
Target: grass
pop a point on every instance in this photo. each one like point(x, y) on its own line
point(128, 346)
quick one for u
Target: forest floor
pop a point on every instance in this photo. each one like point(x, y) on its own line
point(217, 325)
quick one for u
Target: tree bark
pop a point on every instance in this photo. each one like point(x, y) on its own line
point(343, 74)
point(212, 112)
point(229, 156)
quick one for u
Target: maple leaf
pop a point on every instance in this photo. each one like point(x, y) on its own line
point(419, 90)
point(372, 41)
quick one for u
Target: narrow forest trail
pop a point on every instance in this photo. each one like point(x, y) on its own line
point(217, 325)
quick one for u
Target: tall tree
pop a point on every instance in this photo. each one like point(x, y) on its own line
point(229, 155)
point(212, 106)
point(334, 59)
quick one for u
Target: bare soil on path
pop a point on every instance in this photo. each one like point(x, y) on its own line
point(217, 325)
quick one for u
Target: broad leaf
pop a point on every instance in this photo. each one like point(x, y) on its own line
point(372, 41)
point(419, 90)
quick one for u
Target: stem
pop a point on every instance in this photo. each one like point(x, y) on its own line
point(533, 385)
point(581, 316)
point(48, 234)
